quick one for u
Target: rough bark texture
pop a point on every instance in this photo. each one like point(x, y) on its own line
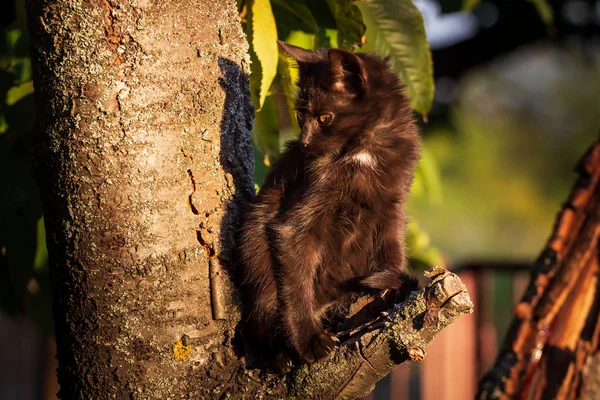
point(550, 350)
point(143, 158)
point(142, 148)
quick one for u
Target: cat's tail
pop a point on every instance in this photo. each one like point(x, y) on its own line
point(390, 279)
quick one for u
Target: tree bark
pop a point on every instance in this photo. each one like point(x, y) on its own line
point(143, 158)
point(142, 151)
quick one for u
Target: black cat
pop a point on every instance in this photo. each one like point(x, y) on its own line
point(329, 223)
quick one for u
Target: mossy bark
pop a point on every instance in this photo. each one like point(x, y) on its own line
point(143, 158)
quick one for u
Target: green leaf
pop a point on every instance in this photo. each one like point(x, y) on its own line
point(265, 132)
point(288, 76)
point(16, 93)
point(395, 29)
point(300, 11)
point(40, 260)
point(349, 21)
point(470, 5)
point(12, 37)
point(322, 13)
point(545, 11)
point(264, 45)
point(289, 73)
point(326, 39)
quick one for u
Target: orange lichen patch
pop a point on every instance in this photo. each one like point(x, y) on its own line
point(182, 352)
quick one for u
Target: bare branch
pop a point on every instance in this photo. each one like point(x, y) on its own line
point(401, 334)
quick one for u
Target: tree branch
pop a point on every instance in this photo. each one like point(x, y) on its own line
point(402, 333)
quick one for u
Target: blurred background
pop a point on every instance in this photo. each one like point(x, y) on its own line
point(516, 104)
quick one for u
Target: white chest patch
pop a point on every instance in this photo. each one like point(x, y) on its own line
point(365, 159)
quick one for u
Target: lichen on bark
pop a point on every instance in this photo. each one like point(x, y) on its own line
point(139, 104)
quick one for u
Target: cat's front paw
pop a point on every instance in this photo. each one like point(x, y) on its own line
point(320, 346)
point(283, 363)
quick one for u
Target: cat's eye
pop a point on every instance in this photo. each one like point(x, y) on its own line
point(325, 119)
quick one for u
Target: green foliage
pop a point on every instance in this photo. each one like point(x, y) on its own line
point(427, 181)
point(426, 186)
point(395, 29)
point(266, 129)
point(349, 21)
point(301, 12)
point(422, 254)
point(289, 75)
point(506, 168)
point(24, 284)
point(389, 28)
point(263, 34)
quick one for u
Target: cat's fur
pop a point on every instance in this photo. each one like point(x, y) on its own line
point(329, 221)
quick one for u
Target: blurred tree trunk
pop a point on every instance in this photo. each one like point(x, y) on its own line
point(143, 158)
point(551, 348)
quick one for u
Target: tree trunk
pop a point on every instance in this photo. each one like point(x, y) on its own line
point(550, 350)
point(143, 158)
point(142, 151)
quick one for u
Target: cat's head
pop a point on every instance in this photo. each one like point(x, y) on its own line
point(343, 96)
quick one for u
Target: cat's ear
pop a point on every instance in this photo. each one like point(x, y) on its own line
point(347, 72)
point(299, 54)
